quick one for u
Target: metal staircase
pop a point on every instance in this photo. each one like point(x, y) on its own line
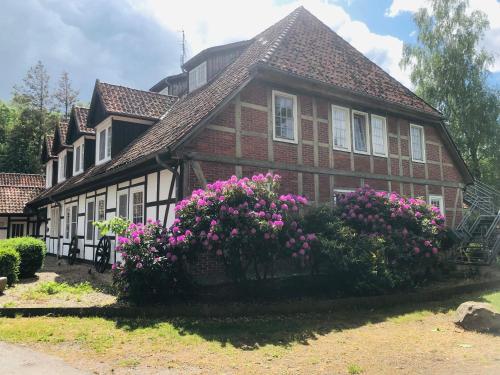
point(479, 230)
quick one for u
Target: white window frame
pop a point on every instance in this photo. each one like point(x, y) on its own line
point(99, 199)
point(295, 122)
point(198, 76)
point(62, 165)
point(68, 233)
point(48, 173)
point(436, 197)
point(106, 128)
point(87, 219)
point(133, 190)
point(423, 143)
point(347, 111)
point(384, 134)
point(367, 129)
point(78, 147)
point(118, 195)
point(340, 191)
point(55, 221)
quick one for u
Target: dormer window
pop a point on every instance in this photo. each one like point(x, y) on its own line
point(78, 156)
point(198, 76)
point(62, 166)
point(103, 149)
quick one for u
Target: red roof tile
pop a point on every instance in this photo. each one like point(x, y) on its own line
point(81, 114)
point(131, 102)
point(17, 189)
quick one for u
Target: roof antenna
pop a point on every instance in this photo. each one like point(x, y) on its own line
point(183, 53)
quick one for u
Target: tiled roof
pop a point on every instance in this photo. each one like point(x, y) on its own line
point(310, 49)
point(63, 131)
point(81, 114)
point(125, 101)
point(16, 189)
point(49, 139)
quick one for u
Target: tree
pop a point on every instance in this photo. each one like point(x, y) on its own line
point(449, 70)
point(65, 96)
point(34, 92)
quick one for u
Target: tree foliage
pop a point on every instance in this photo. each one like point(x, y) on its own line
point(30, 116)
point(449, 70)
point(65, 95)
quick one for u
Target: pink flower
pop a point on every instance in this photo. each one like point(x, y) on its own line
point(138, 265)
point(435, 250)
point(416, 250)
point(234, 232)
point(219, 252)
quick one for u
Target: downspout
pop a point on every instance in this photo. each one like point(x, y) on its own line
point(51, 199)
point(175, 177)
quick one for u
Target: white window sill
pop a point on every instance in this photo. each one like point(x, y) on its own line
point(103, 161)
point(362, 152)
point(336, 148)
point(285, 140)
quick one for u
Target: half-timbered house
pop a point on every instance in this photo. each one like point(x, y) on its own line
point(296, 99)
point(17, 189)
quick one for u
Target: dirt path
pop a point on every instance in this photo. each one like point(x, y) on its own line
point(17, 360)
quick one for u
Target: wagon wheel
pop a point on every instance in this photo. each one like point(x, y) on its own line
point(102, 254)
point(73, 250)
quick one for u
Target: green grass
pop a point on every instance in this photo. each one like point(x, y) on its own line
point(354, 369)
point(50, 288)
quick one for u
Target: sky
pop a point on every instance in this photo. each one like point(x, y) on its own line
point(136, 43)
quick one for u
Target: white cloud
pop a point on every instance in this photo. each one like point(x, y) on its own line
point(491, 8)
point(209, 23)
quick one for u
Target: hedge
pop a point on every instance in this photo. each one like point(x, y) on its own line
point(32, 253)
point(9, 263)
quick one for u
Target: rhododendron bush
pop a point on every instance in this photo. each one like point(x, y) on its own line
point(413, 229)
point(243, 221)
point(149, 270)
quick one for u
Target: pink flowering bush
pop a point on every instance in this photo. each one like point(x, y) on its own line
point(243, 221)
point(149, 269)
point(412, 229)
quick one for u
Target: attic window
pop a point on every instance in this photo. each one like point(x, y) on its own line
point(198, 76)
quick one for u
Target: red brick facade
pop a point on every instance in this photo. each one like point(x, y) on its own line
point(239, 141)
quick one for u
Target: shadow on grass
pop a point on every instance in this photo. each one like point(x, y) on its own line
point(250, 333)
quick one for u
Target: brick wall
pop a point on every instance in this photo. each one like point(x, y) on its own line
point(243, 129)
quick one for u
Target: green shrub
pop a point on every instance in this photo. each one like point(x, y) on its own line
point(32, 252)
point(9, 263)
point(355, 262)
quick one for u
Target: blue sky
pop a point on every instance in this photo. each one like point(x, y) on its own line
point(137, 42)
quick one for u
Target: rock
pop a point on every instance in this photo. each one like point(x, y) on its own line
point(3, 284)
point(478, 316)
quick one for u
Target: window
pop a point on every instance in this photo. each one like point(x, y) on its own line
point(78, 157)
point(101, 212)
point(48, 174)
point(285, 117)
point(379, 136)
point(340, 193)
point(17, 230)
point(137, 206)
point(341, 129)
point(55, 220)
point(437, 201)
point(198, 76)
point(89, 233)
point(123, 205)
point(62, 166)
point(360, 132)
point(70, 221)
point(417, 143)
point(104, 144)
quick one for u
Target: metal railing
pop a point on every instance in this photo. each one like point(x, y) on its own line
point(479, 246)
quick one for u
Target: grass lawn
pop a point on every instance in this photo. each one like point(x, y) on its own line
point(405, 340)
